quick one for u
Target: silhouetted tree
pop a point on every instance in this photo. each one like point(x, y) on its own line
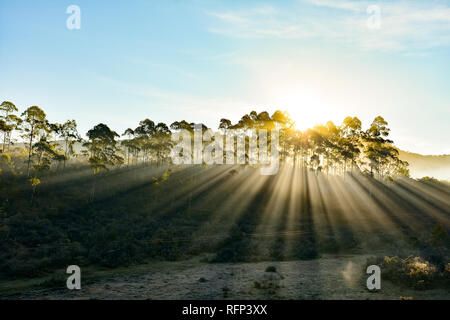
point(34, 124)
point(69, 133)
point(8, 121)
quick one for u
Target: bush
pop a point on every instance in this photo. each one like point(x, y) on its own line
point(414, 272)
point(271, 269)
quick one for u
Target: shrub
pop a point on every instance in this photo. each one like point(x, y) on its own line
point(271, 269)
point(412, 271)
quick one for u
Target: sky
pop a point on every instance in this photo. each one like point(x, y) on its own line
point(201, 61)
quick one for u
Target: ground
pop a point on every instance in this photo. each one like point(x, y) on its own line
point(330, 277)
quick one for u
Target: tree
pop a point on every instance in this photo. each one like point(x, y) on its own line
point(182, 125)
point(8, 121)
point(382, 155)
point(35, 123)
point(162, 142)
point(283, 120)
point(14, 125)
point(69, 133)
point(103, 150)
point(45, 152)
point(351, 128)
point(144, 133)
point(224, 123)
point(378, 131)
point(129, 143)
point(146, 128)
point(285, 124)
point(4, 129)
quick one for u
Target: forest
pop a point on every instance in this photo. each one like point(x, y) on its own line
point(47, 147)
point(111, 200)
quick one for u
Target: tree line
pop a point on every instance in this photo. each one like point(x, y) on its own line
point(327, 148)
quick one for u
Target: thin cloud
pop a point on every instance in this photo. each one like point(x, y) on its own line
point(407, 27)
point(345, 5)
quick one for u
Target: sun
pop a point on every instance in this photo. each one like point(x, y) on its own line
point(305, 109)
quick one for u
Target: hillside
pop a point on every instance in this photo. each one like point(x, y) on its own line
point(432, 166)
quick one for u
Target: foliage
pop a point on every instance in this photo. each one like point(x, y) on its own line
point(328, 148)
point(102, 148)
point(414, 272)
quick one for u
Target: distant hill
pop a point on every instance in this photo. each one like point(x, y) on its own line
point(432, 166)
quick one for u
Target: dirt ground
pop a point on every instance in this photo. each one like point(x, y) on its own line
point(330, 277)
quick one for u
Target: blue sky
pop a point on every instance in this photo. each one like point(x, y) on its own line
point(205, 60)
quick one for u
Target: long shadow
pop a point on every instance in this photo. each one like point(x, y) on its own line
point(438, 186)
point(238, 245)
point(345, 237)
point(403, 227)
point(160, 214)
point(306, 247)
point(415, 212)
point(109, 187)
point(167, 209)
point(277, 250)
point(330, 236)
point(420, 197)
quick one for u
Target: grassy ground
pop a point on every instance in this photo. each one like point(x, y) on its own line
point(329, 277)
point(217, 228)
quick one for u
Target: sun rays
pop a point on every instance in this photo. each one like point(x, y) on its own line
point(300, 207)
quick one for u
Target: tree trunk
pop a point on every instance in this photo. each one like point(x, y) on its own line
point(4, 136)
point(29, 151)
point(65, 158)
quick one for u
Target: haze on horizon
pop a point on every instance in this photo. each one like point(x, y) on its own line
point(205, 60)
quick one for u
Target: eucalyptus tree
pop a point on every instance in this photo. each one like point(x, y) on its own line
point(250, 122)
point(296, 138)
point(8, 121)
point(374, 138)
point(224, 124)
point(46, 151)
point(103, 151)
point(34, 125)
point(378, 131)
point(246, 122)
point(382, 155)
point(144, 133)
point(69, 133)
point(129, 144)
point(352, 143)
point(102, 147)
point(190, 128)
point(283, 122)
point(162, 142)
point(319, 138)
point(14, 125)
point(182, 125)
point(4, 129)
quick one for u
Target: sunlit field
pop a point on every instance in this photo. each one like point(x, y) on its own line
point(224, 150)
point(110, 202)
